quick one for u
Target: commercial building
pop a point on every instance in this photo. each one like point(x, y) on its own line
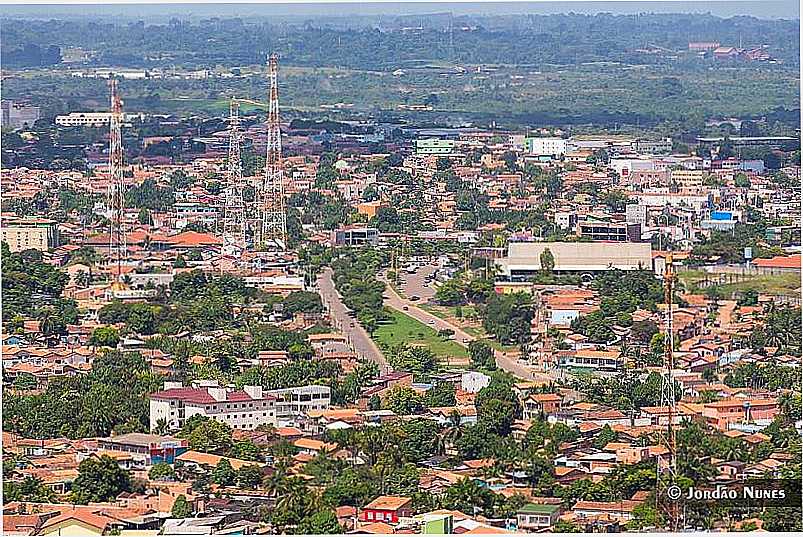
point(89, 119)
point(600, 230)
point(244, 409)
point(652, 147)
point(687, 178)
point(555, 147)
point(595, 360)
point(149, 448)
point(17, 115)
point(84, 119)
point(354, 236)
point(523, 259)
point(434, 146)
point(30, 234)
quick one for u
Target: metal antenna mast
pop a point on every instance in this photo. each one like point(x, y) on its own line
point(234, 223)
point(116, 192)
point(667, 467)
point(274, 218)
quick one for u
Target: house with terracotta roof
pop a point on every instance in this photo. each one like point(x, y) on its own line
point(388, 509)
point(240, 409)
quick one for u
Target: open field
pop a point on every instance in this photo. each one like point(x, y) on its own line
point(404, 329)
point(770, 284)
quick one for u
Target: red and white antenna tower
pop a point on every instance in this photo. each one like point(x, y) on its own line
point(234, 221)
point(667, 464)
point(116, 191)
point(273, 216)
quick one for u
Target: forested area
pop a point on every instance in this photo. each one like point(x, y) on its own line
point(526, 39)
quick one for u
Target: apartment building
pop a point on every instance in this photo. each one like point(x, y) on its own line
point(546, 146)
point(30, 234)
point(293, 402)
point(244, 409)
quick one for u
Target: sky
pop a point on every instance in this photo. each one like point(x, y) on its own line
point(768, 9)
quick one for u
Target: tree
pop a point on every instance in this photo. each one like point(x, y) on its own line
point(180, 262)
point(642, 331)
point(144, 217)
point(320, 523)
point(482, 355)
point(741, 181)
point(207, 435)
point(403, 400)
point(25, 381)
point(604, 437)
point(161, 471)
point(224, 474)
point(99, 480)
point(30, 489)
point(468, 496)
point(547, 260)
point(181, 507)
point(249, 476)
point(246, 450)
point(105, 336)
point(440, 395)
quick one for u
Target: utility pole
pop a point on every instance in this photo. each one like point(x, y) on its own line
point(115, 195)
point(273, 216)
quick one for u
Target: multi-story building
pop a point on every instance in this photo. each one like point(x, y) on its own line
point(652, 147)
point(600, 230)
point(293, 402)
point(553, 146)
point(84, 119)
point(30, 234)
point(244, 409)
point(354, 236)
point(16, 115)
point(687, 178)
point(635, 213)
point(89, 119)
point(434, 146)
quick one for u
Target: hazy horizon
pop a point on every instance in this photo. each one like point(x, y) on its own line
point(773, 9)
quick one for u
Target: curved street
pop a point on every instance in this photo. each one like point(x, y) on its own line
point(355, 334)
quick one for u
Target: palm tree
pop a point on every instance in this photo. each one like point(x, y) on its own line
point(161, 426)
point(48, 325)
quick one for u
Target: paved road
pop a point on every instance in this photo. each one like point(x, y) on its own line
point(357, 337)
point(510, 365)
point(416, 285)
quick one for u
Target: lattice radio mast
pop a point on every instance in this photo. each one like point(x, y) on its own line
point(234, 218)
point(274, 218)
point(116, 192)
point(667, 465)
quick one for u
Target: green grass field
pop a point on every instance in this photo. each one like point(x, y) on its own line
point(402, 328)
point(771, 284)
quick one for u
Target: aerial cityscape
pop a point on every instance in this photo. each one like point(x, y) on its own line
point(401, 268)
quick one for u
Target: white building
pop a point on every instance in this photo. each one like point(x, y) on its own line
point(89, 119)
point(294, 402)
point(546, 146)
point(474, 381)
point(240, 409)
